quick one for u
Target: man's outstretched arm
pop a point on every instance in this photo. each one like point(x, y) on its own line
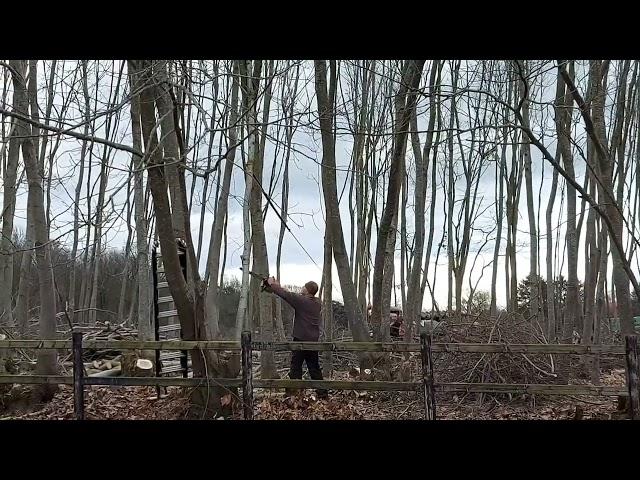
point(289, 297)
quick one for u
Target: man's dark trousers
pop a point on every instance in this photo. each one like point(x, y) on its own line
point(298, 357)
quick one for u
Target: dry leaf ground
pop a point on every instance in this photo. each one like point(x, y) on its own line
point(140, 403)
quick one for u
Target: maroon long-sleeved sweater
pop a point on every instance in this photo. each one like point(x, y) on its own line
point(306, 324)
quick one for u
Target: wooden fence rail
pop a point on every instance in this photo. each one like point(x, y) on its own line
point(514, 388)
point(247, 383)
point(322, 346)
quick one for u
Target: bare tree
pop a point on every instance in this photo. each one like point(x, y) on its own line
point(143, 314)
point(415, 294)
point(405, 102)
point(7, 250)
point(250, 86)
point(594, 125)
point(325, 98)
point(525, 151)
point(501, 168)
point(288, 102)
point(111, 126)
point(327, 305)
point(47, 359)
point(78, 191)
point(213, 261)
point(187, 293)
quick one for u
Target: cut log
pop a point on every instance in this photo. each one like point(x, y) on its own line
point(366, 374)
point(144, 365)
point(113, 372)
point(134, 366)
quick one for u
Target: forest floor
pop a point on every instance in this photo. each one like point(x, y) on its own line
point(140, 403)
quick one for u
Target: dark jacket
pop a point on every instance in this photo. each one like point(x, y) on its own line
point(306, 324)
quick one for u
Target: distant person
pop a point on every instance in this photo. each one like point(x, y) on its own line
point(306, 328)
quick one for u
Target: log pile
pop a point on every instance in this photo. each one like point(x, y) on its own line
point(104, 368)
point(109, 331)
point(112, 363)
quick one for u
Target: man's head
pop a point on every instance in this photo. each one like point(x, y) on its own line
point(310, 288)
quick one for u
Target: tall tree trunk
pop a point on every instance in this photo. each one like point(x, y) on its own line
point(213, 260)
point(405, 104)
point(563, 126)
point(387, 278)
point(287, 109)
point(104, 177)
point(260, 255)
point(187, 292)
point(601, 308)
point(46, 359)
point(594, 125)
point(327, 305)
point(325, 100)
point(124, 290)
point(45, 138)
point(76, 204)
point(205, 188)
point(144, 297)
point(415, 294)
point(559, 103)
point(607, 160)
point(434, 191)
point(592, 269)
point(451, 191)
point(500, 177)
point(534, 309)
point(242, 316)
point(551, 300)
point(405, 266)
point(87, 269)
point(168, 124)
point(7, 250)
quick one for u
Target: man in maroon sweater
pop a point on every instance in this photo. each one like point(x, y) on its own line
point(306, 327)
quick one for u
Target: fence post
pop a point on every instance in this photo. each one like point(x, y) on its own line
point(247, 376)
point(3, 353)
point(633, 383)
point(78, 375)
point(427, 377)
